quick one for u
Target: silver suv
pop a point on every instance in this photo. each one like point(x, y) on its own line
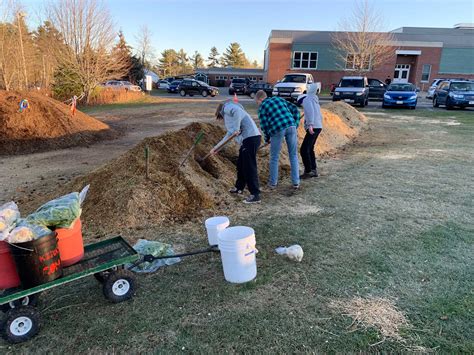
point(352, 89)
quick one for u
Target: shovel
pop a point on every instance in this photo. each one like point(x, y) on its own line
point(196, 142)
point(235, 134)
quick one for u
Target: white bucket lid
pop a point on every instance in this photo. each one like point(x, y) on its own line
point(216, 221)
point(236, 233)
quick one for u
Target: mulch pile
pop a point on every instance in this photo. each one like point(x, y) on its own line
point(46, 124)
point(120, 196)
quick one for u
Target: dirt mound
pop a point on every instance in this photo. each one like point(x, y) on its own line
point(46, 124)
point(120, 196)
point(341, 124)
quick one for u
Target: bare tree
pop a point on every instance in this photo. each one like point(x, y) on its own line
point(361, 43)
point(145, 50)
point(16, 49)
point(88, 32)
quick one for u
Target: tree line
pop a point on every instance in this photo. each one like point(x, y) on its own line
point(77, 48)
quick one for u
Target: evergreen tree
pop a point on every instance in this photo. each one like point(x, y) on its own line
point(184, 67)
point(168, 62)
point(197, 60)
point(213, 58)
point(135, 68)
point(234, 56)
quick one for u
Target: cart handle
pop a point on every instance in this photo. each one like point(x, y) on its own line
point(150, 258)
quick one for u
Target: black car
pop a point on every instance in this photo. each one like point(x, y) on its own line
point(239, 86)
point(253, 88)
point(173, 87)
point(452, 93)
point(376, 89)
point(193, 87)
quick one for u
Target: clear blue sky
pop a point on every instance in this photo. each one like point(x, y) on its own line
point(199, 25)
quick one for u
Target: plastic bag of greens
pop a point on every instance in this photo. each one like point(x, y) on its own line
point(26, 232)
point(60, 212)
point(146, 247)
point(9, 213)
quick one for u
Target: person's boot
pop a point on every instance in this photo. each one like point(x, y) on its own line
point(313, 173)
point(305, 175)
point(252, 199)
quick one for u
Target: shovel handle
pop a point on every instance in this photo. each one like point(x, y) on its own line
point(235, 134)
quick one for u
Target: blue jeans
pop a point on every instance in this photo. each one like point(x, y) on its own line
point(275, 147)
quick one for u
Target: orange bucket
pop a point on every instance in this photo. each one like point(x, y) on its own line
point(8, 275)
point(70, 243)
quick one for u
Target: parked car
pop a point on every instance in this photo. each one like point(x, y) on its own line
point(173, 86)
point(432, 88)
point(352, 89)
point(293, 85)
point(253, 88)
point(454, 93)
point(122, 85)
point(193, 87)
point(400, 95)
point(239, 86)
point(376, 88)
point(163, 84)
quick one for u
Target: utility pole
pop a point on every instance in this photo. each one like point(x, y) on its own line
point(19, 16)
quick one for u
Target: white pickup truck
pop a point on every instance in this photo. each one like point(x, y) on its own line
point(293, 85)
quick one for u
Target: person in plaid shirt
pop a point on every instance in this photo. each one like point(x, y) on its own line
point(279, 120)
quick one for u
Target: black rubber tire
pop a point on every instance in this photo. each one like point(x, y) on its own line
point(412, 107)
point(231, 92)
point(13, 314)
point(182, 93)
point(362, 104)
point(31, 300)
point(204, 93)
point(384, 106)
point(448, 104)
point(435, 102)
point(116, 282)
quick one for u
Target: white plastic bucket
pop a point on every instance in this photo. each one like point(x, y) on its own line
point(214, 225)
point(238, 254)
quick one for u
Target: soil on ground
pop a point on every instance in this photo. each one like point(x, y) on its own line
point(46, 124)
point(121, 196)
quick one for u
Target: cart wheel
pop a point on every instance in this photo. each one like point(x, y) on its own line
point(119, 286)
point(21, 324)
point(31, 300)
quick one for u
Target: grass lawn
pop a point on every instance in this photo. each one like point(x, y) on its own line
point(390, 218)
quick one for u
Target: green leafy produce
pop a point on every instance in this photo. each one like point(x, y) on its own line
point(58, 213)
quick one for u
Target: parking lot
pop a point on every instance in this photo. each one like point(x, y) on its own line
point(423, 103)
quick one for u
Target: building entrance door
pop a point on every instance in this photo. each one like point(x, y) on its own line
point(401, 74)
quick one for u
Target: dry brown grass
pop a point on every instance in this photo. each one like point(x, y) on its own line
point(378, 313)
point(104, 96)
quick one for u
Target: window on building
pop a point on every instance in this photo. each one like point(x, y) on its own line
point(305, 60)
point(355, 61)
point(425, 73)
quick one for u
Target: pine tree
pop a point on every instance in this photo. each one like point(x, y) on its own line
point(197, 60)
point(213, 58)
point(184, 66)
point(135, 71)
point(168, 62)
point(234, 56)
